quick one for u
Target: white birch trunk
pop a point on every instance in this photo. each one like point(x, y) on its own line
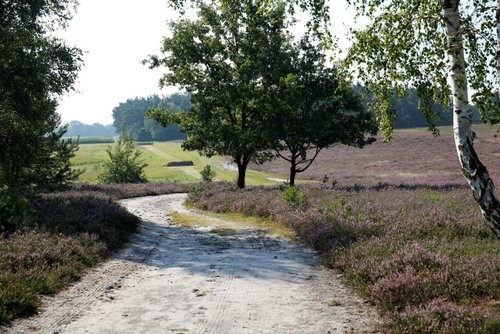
point(498, 48)
point(474, 171)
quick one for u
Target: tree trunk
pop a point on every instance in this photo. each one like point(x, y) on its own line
point(293, 170)
point(498, 47)
point(474, 171)
point(242, 164)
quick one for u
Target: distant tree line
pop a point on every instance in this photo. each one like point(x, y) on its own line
point(130, 114)
point(129, 117)
point(409, 114)
point(79, 129)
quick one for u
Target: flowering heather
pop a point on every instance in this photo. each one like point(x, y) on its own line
point(422, 254)
point(130, 190)
point(438, 316)
point(34, 262)
point(74, 213)
point(66, 233)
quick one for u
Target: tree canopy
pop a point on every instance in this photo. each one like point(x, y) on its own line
point(35, 69)
point(129, 117)
point(230, 60)
point(316, 109)
point(444, 50)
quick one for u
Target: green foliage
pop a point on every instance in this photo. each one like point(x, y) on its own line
point(124, 165)
point(36, 68)
point(131, 117)
point(14, 211)
point(293, 196)
point(318, 11)
point(53, 170)
point(232, 83)
point(405, 45)
point(207, 174)
point(316, 110)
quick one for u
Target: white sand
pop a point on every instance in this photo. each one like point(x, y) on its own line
point(173, 279)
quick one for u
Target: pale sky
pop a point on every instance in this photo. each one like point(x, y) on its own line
point(116, 35)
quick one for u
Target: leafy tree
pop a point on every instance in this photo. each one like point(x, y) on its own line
point(124, 165)
point(53, 168)
point(230, 60)
point(35, 69)
point(316, 111)
point(441, 49)
point(129, 117)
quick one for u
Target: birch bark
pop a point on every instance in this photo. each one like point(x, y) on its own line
point(498, 48)
point(474, 171)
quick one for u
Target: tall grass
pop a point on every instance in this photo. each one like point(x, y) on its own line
point(421, 254)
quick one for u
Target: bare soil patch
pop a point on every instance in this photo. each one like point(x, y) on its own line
point(173, 279)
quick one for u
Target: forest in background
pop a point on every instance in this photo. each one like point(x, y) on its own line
point(130, 116)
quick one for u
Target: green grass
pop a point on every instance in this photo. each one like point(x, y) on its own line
point(91, 157)
point(231, 223)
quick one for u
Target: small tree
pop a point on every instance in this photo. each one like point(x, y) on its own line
point(316, 111)
point(207, 174)
point(124, 165)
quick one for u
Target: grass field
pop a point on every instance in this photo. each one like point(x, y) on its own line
point(91, 156)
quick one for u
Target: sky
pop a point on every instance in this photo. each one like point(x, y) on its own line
point(116, 35)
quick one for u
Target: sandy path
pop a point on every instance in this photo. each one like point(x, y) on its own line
point(175, 279)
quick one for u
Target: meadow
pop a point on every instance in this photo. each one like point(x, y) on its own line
point(396, 220)
point(156, 155)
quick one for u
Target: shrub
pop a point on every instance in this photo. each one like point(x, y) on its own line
point(13, 211)
point(437, 317)
point(207, 174)
point(33, 263)
point(293, 196)
point(74, 213)
point(124, 165)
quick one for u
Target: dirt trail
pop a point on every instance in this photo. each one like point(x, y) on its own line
point(174, 279)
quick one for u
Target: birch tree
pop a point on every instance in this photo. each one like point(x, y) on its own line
point(446, 50)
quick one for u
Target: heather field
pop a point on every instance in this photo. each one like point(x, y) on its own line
point(395, 219)
point(413, 156)
point(65, 234)
point(400, 224)
point(421, 254)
